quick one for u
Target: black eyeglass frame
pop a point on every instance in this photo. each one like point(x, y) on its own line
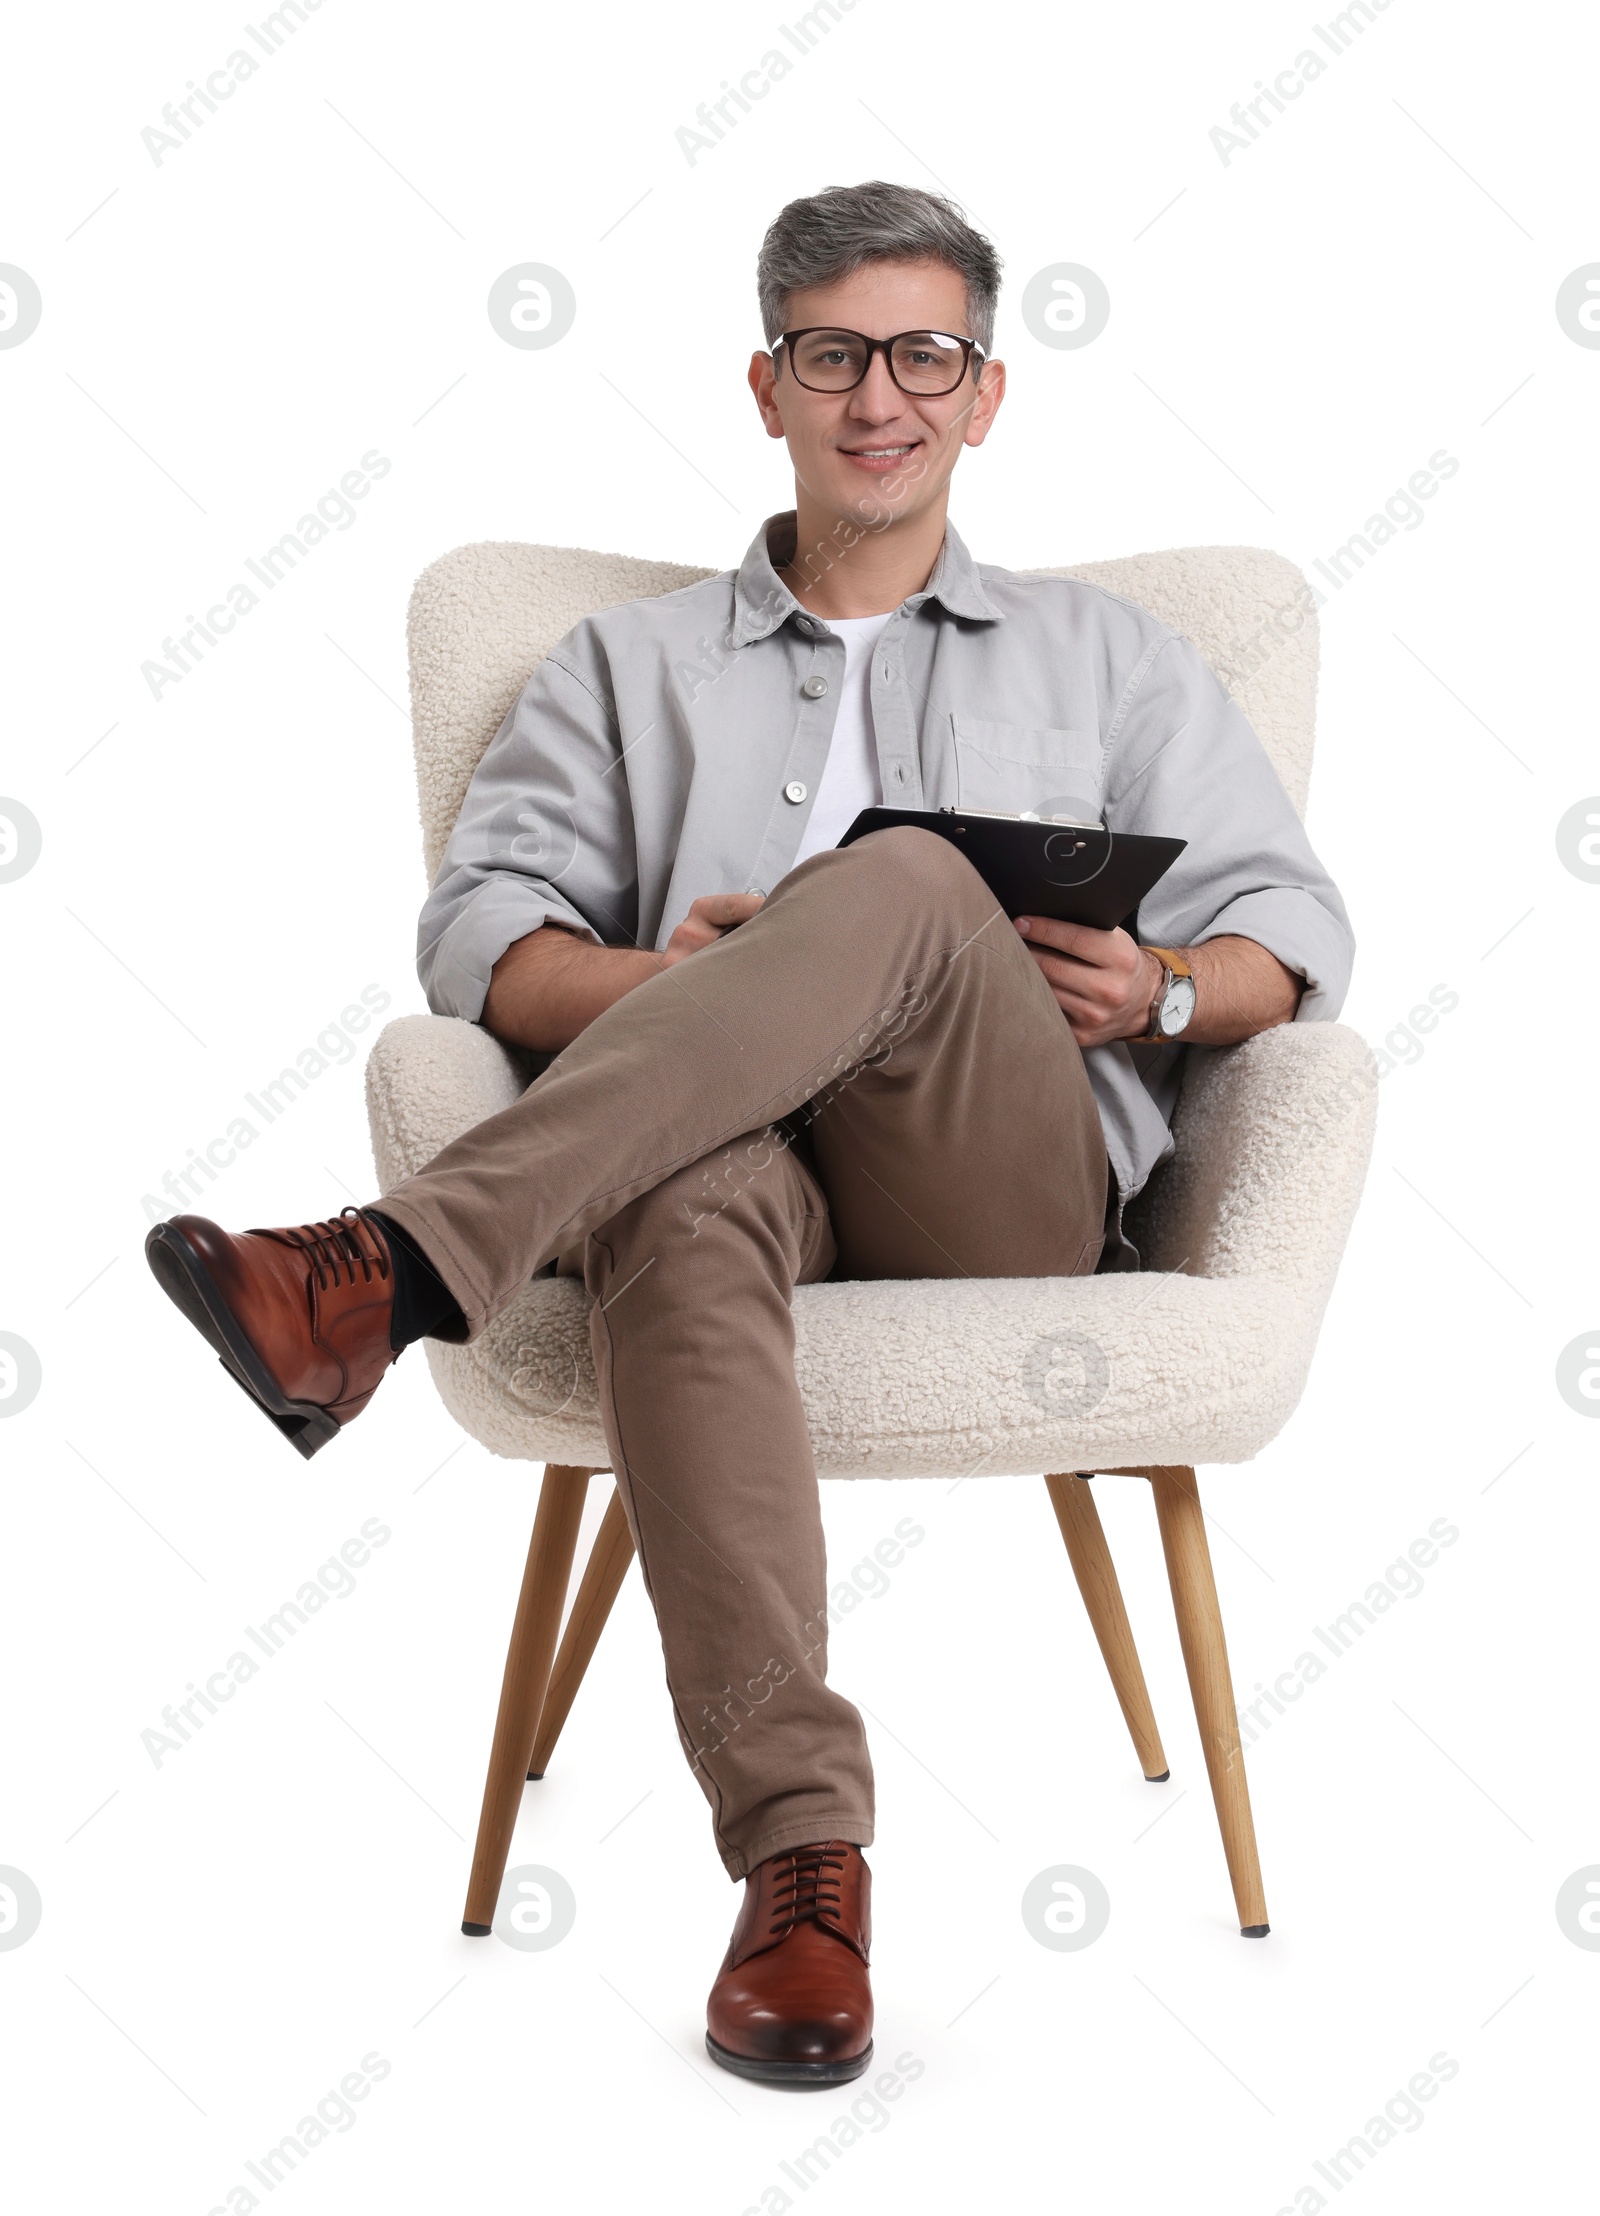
point(970, 351)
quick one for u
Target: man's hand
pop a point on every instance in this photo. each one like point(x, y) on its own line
point(709, 918)
point(1105, 982)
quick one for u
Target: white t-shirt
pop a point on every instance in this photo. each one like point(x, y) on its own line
point(850, 779)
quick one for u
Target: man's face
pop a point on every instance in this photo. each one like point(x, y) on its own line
point(876, 454)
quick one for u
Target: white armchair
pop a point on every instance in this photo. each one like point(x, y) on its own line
point(1240, 1233)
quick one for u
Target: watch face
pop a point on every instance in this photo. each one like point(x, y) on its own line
point(1177, 1007)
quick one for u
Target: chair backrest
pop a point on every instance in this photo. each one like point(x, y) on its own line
point(483, 617)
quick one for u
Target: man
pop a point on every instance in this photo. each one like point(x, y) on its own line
point(775, 1060)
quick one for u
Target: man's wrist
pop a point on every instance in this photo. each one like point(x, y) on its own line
point(551, 985)
point(1153, 985)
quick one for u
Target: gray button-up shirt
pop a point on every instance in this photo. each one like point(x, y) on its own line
point(654, 753)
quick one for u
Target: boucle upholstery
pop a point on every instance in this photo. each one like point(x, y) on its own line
point(482, 620)
point(1200, 1357)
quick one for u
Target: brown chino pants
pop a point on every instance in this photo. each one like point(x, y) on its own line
point(953, 1134)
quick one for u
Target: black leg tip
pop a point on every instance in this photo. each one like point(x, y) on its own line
point(1254, 1931)
point(477, 1931)
point(534, 1776)
point(1158, 1777)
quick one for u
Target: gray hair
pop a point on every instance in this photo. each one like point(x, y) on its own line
point(817, 241)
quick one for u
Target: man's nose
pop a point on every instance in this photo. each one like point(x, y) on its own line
point(877, 396)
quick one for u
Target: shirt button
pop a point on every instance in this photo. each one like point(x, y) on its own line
point(794, 792)
point(814, 687)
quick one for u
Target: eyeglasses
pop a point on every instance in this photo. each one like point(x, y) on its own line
point(921, 362)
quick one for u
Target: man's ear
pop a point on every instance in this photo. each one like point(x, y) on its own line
point(763, 378)
point(991, 391)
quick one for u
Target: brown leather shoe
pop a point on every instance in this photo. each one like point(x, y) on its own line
point(298, 1316)
point(792, 2004)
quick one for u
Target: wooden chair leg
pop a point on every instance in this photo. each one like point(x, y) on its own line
point(1205, 1656)
point(522, 1690)
point(603, 1573)
point(1076, 1513)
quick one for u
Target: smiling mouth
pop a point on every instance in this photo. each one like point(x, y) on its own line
point(881, 457)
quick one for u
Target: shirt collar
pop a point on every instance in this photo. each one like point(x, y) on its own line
point(762, 602)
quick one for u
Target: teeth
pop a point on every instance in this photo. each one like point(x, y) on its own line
point(879, 453)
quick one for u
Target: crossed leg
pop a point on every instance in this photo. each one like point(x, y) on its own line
point(950, 1131)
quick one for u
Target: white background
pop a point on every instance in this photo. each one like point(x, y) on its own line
point(1291, 336)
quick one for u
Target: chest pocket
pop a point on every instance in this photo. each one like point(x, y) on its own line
point(1012, 766)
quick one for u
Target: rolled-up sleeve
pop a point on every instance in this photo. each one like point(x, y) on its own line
point(545, 835)
point(1186, 764)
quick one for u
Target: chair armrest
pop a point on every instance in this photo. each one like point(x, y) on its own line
point(429, 1078)
point(1273, 1139)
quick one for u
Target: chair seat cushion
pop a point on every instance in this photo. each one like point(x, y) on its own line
point(953, 1378)
point(1200, 1357)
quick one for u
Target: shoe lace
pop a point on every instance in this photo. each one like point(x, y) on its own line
point(335, 1245)
point(806, 1882)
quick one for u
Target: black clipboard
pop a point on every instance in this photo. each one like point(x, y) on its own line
point(1044, 866)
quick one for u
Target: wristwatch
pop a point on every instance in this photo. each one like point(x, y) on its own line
point(1173, 1007)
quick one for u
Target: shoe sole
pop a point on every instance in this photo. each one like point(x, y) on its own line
point(187, 1283)
point(790, 2073)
